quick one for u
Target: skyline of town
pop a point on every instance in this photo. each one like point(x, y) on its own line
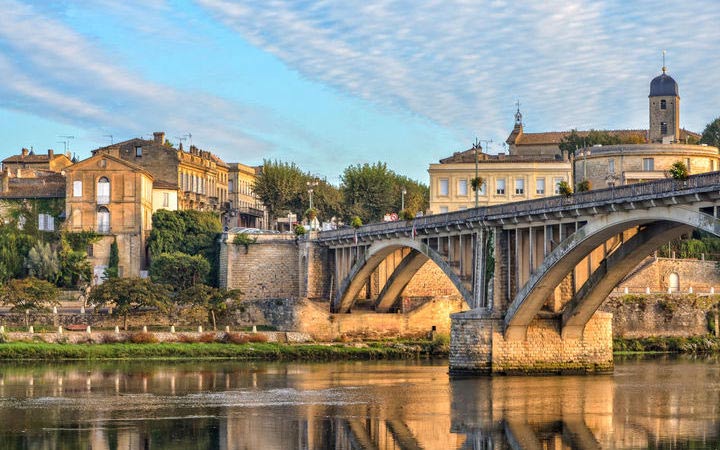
point(408, 86)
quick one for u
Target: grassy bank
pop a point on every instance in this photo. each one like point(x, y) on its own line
point(248, 351)
point(693, 345)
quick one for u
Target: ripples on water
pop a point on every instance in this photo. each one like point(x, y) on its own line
point(658, 403)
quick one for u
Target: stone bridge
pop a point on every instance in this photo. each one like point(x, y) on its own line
point(533, 273)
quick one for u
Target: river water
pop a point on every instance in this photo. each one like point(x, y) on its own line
point(646, 403)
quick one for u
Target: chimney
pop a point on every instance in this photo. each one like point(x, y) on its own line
point(51, 154)
point(159, 137)
point(24, 152)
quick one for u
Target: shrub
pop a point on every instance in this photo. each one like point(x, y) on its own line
point(311, 213)
point(476, 183)
point(207, 338)
point(143, 338)
point(236, 338)
point(406, 214)
point(113, 338)
point(356, 222)
point(188, 338)
point(584, 186)
point(257, 338)
point(565, 189)
point(679, 171)
point(299, 230)
point(245, 240)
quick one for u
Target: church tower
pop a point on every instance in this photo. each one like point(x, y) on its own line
point(664, 102)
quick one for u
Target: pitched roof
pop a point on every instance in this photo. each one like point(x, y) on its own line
point(50, 186)
point(130, 165)
point(32, 158)
point(468, 156)
point(554, 137)
point(160, 184)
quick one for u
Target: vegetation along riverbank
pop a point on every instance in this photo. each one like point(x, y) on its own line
point(437, 348)
point(689, 345)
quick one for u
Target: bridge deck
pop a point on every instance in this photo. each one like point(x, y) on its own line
point(608, 199)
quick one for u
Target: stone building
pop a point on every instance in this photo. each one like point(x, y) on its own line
point(27, 160)
point(244, 208)
point(199, 177)
point(535, 165)
point(113, 198)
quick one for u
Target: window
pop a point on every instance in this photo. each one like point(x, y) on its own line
point(46, 222)
point(519, 186)
point(103, 220)
point(103, 191)
point(500, 186)
point(443, 209)
point(483, 188)
point(231, 186)
point(77, 188)
point(540, 186)
point(687, 164)
point(663, 104)
point(166, 199)
point(444, 187)
point(90, 250)
point(556, 183)
point(138, 151)
point(462, 187)
point(611, 166)
point(663, 128)
point(648, 164)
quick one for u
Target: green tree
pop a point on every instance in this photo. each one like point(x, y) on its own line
point(211, 300)
point(43, 263)
point(29, 294)
point(368, 190)
point(179, 270)
point(679, 171)
point(577, 140)
point(130, 295)
point(711, 133)
point(279, 185)
point(15, 244)
point(112, 270)
point(75, 269)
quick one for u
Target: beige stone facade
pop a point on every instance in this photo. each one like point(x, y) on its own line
point(244, 207)
point(199, 177)
point(616, 165)
point(112, 197)
point(506, 179)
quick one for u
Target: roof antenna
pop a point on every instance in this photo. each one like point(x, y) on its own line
point(663, 67)
point(111, 138)
point(67, 142)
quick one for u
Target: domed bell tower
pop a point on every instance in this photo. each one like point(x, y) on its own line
point(664, 102)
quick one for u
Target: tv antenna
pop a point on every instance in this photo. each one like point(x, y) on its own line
point(66, 141)
point(111, 138)
point(188, 136)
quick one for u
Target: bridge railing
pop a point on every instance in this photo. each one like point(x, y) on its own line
point(637, 191)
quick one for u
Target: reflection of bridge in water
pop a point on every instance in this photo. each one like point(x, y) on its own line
point(533, 272)
point(355, 406)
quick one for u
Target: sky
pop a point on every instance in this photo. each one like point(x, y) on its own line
point(328, 84)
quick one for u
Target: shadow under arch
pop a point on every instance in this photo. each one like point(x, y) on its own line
point(373, 256)
point(571, 251)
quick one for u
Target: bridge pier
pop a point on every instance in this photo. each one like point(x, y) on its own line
point(479, 345)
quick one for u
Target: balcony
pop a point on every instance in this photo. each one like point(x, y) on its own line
point(250, 211)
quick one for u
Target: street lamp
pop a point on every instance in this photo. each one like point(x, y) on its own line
point(311, 185)
point(402, 201)
point(477, 146)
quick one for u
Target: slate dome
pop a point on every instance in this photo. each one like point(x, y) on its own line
point(663, 86)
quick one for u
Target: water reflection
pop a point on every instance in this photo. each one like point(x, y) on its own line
point(645, 404)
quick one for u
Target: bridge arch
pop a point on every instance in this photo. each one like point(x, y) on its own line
point(659, 225)
point(351, 286)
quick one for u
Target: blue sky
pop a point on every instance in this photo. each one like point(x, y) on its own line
point(327, 84)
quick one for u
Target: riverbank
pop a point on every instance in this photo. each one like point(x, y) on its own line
point(246, 351)
point(700, 345)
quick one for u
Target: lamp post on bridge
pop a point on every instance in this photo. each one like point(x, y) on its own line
point(402, 199)
point(477, 146)
point(311, 188)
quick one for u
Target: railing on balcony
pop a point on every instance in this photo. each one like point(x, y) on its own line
point(250, 211)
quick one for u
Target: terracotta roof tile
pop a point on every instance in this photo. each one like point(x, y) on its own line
point(51, 186)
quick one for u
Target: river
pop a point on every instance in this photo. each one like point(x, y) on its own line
point(647, 403)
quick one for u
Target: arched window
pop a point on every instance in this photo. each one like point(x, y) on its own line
point(103, 220)
point(103, 191)
point(663, 128)
point(663, 104)
point(674, 282)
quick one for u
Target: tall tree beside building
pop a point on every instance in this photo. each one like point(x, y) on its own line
point(279, 185)
point(711, 133)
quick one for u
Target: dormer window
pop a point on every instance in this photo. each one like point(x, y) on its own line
point(138, 150)
point(663, 104)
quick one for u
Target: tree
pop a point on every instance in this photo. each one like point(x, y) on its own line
point(179, 270)
point(15, 244)
point(130, 295)
point(75, 269)
point(279, 186)
point(584, 186)
point(212, 300)
point(114, 261)
point(565, 189)
point(575, 140)
point(711, 133)
point(368, 190)
point(43, 263)
point(679, 171)
point(29, 294)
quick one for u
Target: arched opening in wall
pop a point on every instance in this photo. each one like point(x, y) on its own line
point(673, 282)
point(103, 220)
point(103, 191)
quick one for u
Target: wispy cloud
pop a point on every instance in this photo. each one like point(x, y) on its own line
point(578, 63)
point(53, 71)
